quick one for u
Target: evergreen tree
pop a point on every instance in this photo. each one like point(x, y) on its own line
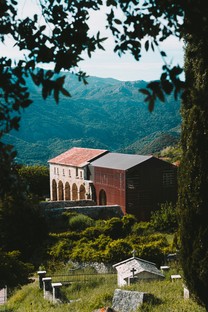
point(13, 271)
point(37, 180)
point(193, 179)
point(22, 227)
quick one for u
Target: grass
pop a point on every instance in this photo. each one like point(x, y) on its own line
point(90, 296)
point(168, 297)
point(86, 297)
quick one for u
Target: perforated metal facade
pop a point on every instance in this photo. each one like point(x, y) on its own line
point(140, 189)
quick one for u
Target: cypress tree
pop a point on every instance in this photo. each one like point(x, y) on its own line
point(193, 173)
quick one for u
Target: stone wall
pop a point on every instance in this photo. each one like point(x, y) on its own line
point(98, 212)
point(53, 211)
point(66, 203)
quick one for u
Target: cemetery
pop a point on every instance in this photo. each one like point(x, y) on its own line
point(128, 275)
point(82, 290)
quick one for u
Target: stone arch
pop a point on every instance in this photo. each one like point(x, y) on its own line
point(60, 191)
point(102, 198)
point(74, 192)
point(54, 190)
point(82, 192)
point(67, 191)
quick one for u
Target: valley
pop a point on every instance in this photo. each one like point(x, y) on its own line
point(105, 113)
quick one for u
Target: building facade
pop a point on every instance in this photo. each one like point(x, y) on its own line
point(137, 183)
point(69, 177)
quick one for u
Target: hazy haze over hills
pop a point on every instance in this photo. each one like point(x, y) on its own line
point(106, 113)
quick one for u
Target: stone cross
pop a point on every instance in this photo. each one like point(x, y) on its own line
point(134, 253)
point(133, 270)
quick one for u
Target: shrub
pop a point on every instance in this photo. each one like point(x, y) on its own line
point(128, 222)
point(152, 248)
point(22, 227)
point(101, 242)
point(61, 250)
point(153, 251)
point(142, 228)
point(118, 250)
point(37, 180)
point(91, 251)
point(92, 232)
point(165, 219)
point(74, 236)
point(80, 222)
point(84, 252)
point(13, 271)
point(114, 228)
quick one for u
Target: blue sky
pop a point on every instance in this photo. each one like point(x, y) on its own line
point(106, 63)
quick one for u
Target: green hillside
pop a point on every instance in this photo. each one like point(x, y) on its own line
point(106, 113)
point(153, 143)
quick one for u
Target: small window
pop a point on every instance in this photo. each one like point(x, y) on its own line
point(168, 178)
point(77, 173)
point(57, 170)
point(130, 184)
point(69, 173)
point(54, 170)
point(80, 174)
point(63, 172)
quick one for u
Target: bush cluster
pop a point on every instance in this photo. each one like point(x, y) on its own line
point(165, 219)
point(108, 241)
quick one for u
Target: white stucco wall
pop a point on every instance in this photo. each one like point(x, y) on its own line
point(142, 270)
point(71, 175)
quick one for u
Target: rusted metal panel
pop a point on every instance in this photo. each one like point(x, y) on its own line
point(148, 185)
point(112, 182)
point(138, 190)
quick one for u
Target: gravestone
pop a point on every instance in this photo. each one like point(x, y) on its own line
point(185, 293)
point(41, 275)
point(172, 257)
point(129, 301)
point(47, 288)
point(175, 277)
point(164, 268)
point(3, 295)
point(56, 291)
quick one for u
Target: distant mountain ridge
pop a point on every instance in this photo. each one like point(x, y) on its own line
point(106, 113)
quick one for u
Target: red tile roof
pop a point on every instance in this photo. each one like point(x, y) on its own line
point(77, 156)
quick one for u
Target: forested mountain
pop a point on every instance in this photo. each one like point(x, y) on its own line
point(106, 113)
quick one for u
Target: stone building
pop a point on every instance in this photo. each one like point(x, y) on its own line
point(69, 176)
point(135, 269)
